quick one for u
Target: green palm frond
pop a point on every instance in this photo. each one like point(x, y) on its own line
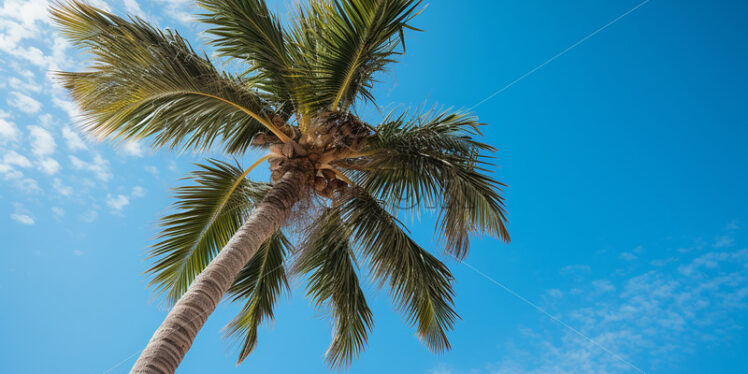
point(260, 283)
point(420, 284)
point(246, 30)
point(147, 82)
point(435, 161)
point(346, 41)
point(328, 258)
point(208, 213)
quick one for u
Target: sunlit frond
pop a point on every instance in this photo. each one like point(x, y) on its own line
point(259, 285)
point(146, 82)
point(345, 42)
point(420, 284)
point(247, 31)
point(435, 161)
point(328, 259)
point(208, 213)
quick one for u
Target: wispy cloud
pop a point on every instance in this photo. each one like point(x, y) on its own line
point(73, 140)
point(99, 166)
point(49, 166)
point(21, 218)
point(652, 318)
point(132, 148)
point(24, 103)
point(14, 158)
point(120, 201)
point(8, 131)
point(132, 7)
point(117, 202)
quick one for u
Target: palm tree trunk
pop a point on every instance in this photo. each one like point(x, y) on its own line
point(173, 338)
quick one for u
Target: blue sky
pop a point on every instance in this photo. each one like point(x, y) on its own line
point(625, 158)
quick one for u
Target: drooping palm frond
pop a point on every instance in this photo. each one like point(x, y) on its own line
point(146, 82)
point(246, 30)
point(419, 283)
point(260, 283)
point(208, 213)
point(328, 258)
point(345, 42)
point(436, 161)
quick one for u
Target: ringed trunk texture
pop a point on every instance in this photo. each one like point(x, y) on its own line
point(173, 338)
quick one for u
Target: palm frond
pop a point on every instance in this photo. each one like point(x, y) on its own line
point(328, 258)
point(208, 213)
point(259, 284)
point(246, 30)
point(435, 161)
point(419, 283)
point(147, 82)
point(345, 42)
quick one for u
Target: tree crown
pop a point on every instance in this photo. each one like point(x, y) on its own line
point(294, 100)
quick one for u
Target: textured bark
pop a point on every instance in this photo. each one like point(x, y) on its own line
point(173, 338)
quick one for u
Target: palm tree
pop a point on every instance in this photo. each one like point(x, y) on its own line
point(295, 100)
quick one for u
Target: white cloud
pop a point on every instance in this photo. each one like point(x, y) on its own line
point(45, 119)
point(8, 131)
point(72, 139)
point(19, 21)
point(89, 216)
point(723, 241)
point(69, 107)
point(99, 166)
point(628, 256)
point(9, 172)
point(575, 270)
point(17, 178)
point(16, 159)
point(27, 74)
point(78, 252)
point(27, 185)
point(152, 169)
point(20, 85)
point(24, 103)
point(42, 142)
point(133, 8)
point(651, 319)
point(137, 192)
point(61, 188)
point(58, 211)
point(22, 218)
point(27, 12)
point(101, 4)
point(180, 10)
point(49, 166)
point(602, 286)
point(133, 148)
point(117, 202)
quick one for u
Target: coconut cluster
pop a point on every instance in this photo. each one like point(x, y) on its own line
point(330, 136)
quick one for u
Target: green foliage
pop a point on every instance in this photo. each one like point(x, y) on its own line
point(329, 260)
point(144, 82)
point(245, 30)
point(433, 160)
point(344, 42)
point(260, 283)
point(207, 213)
point(420, 284)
